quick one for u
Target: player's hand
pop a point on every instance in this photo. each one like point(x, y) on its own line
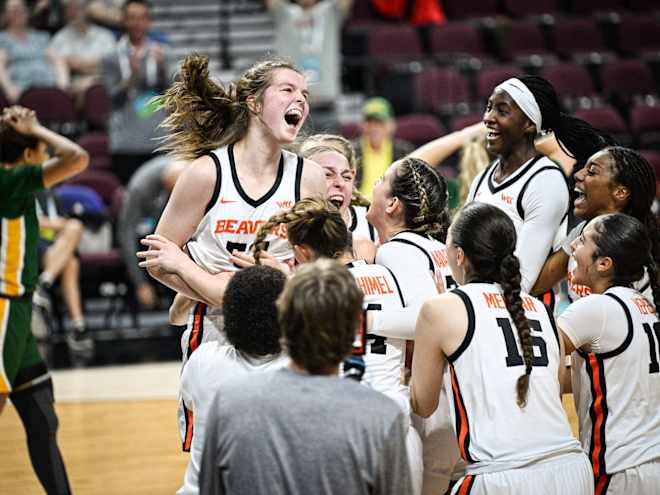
point(163, 254)
point(22, 119)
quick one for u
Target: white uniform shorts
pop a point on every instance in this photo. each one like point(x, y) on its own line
point(639, 480)
point(568, 474)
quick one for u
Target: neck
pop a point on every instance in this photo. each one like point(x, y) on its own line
point(137, 41)
point(17, 30)
point(345, 211)
point(346, 257)
point(514, 160)
point(256, 152)
point(330, 371)
point(376, 144)
point(386, 232)
point(600, 286)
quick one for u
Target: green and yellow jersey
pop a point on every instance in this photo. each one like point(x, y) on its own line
point(19, 231)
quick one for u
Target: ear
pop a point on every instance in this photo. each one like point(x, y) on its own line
point(393, 207)
point(530, 127)
point(621, 193)
point(303, 253)
point(460, 256)
point(252, 104)
point(604, 264)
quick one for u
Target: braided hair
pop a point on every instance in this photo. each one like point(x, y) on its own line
point(424, 196)
point(577, 138)
point(632, 170)
point(314, 222)
point(204, 115)
point(625, 240)
point(487, 236)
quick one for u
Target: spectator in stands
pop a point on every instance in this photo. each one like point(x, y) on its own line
point(46, 15)
point(309, 33)
point(133, 75)
point(146, 195)
point(82, 46)
point(25, 59)
point(106, 13)
point(377, 148)
point(58, 240)
point(303, 429)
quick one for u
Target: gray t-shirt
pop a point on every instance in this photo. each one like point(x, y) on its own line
point(27, 59)
point(310, 37)
point(290, 433)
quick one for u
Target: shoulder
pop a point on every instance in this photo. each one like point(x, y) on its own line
point(201, 172)
point(313, 180)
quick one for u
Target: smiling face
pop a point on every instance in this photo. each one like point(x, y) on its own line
point(284, 107)
point(596, 187)
point(584, 250)
point(507, 125)
point(338, 176)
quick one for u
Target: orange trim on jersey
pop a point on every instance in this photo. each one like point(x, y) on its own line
point(466, 485)
point(462, 426)
point(198, 324)
point(189, 429)
point(598, 414)
point(602, 484)
point(547, 298)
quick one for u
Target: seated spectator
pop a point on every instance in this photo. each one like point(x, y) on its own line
point(303, 429)
point(58, 239)
point(25, 59)
point(146, 195)
point(82, 46)
point(106, 13)
point(133, 75)
point(376, 148)
point(253, 336)
point(46, 15)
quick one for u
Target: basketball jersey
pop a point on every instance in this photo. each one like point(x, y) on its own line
point(493, 433)
point(617, 392)
point(576, 291)
point(383, 357)
point(233, 218)
point(359, 226)
point(436, 254)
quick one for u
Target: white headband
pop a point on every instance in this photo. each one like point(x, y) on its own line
point(524, 98)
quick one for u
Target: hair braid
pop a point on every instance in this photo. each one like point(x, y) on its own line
point(510, 282)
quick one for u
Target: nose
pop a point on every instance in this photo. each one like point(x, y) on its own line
point(574, 244)
point(580, 174)
point(488, 116)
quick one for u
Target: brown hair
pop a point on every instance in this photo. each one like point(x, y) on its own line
point(319, 311)
point(13, 143)
point(313, 222)
point(204, 115)
point(474, 158)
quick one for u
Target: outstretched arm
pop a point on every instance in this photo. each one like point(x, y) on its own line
point(436, 151)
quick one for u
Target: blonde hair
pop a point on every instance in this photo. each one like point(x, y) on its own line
point(474, 159)
point(319, 311)
point(204, 115)
point(322, 143)
point(314, 222)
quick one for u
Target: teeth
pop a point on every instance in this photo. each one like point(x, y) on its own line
point(294, 111)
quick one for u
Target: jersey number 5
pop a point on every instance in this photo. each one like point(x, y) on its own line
point(654, 366)
point(513, 357)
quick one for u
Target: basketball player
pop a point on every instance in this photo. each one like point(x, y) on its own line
point(26, 169)
point(253, 345)
point(615, 334)
point(615, 180)
point(337, 157)
point(529, 187)
point(503, 356)
point(409, 212)
point(315, 229)
point(240, 177)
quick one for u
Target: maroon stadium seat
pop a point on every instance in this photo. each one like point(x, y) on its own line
point(639, 35)
point(580, 40)
point(592, 6)
point(645, 125)
point(97, 145)
point(607, 119)
point(455, 40)
point(626, 78)
point(418, 128)
point(467, 9)
point(523, 8)
point(524, 43)
point(96, 107)
point(54, 108)
point(440, 90)
point(491, 77)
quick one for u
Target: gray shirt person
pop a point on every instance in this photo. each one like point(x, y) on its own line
point(293, 433)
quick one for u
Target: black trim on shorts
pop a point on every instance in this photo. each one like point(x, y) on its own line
point(411, 243)
point(299, 171)
point(237, 183)
point(218, 182)
point(26, 375)
point(471, 325)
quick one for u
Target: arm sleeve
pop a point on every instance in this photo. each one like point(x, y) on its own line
point(209, 471)
point(583, 322)
point(545, 203)
point(18, 181)
point(393, 476)
point(416, 283)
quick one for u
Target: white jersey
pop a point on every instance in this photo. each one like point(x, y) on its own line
point(616, 377)
point(493, 433)
point(576, 291)
point(359, 226)
point(233, 218)
point(432, 250)
point(536, 198)
point(383, 357)
point(210, 366)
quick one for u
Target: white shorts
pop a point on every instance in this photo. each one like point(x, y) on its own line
point(568, 474)
point(639, 480)
point(204, 325)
